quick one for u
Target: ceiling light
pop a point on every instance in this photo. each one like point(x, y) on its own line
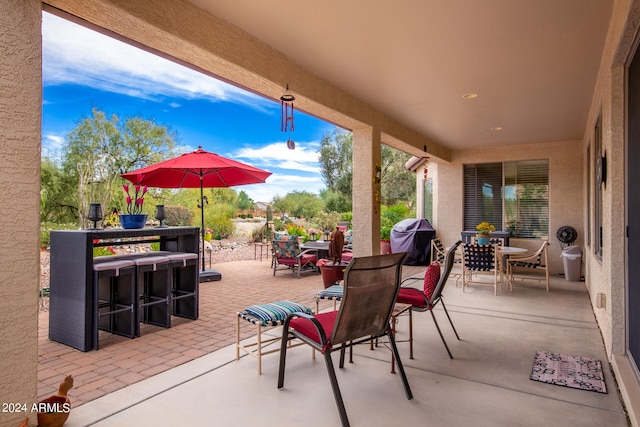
point(470, 95)
point(496, 128)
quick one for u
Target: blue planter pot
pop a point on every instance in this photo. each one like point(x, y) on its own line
point(483, 240)
point(133, 221)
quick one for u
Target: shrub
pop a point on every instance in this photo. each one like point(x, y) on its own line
point(45, 231)
point(326, 221)
point(346, 216)
point(221, 226)
point(103, 251)
point(178, 216)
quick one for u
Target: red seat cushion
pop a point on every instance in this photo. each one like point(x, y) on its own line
point(306, 327)
point(307, 258)
point(414, 296)
point(287, 261)
point(304, 259)
point(411, 296)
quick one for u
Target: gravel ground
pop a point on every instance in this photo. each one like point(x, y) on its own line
point(227, 250)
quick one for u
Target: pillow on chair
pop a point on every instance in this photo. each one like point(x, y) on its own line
point(431, 277)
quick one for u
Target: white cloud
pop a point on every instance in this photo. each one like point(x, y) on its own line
point(276, 155)
point(76, 55)
point(52, 145)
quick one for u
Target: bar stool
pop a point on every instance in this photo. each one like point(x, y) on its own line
point(153, 284)
point(184, 284)
point(114, 298)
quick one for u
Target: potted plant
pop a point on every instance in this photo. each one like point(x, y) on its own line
point(332, 269)
point(134, 218)
point(484, 230)
point(385, 239)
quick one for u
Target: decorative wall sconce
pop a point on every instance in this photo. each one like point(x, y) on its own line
point(95, 214)
point(161, 215)
point(378, 175)
point(286, 116)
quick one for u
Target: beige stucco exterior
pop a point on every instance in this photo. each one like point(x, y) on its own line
point(177, 29)
point(20, 121)
point(565, 190)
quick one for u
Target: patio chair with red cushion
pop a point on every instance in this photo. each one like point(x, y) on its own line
point(370, 289)
point(287, 253)
point(431, 294)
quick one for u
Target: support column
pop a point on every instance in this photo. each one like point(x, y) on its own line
point(20, 121)
point(366, 192)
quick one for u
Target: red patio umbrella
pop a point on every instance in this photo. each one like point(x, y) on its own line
point(198, 169)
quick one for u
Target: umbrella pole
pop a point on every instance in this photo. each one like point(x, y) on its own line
point(202, 218)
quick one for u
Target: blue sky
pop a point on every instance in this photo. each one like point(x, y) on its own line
point(83, 69)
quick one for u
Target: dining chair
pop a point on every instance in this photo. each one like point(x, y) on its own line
point(537, 261)
point(371, 286)
point(438, 251)
point(427, 299)
point(287, 253)
point(479, 260)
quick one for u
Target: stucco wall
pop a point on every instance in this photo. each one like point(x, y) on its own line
point(565, 190)
point(20, 106)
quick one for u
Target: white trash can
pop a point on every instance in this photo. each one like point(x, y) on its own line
point(572, 261)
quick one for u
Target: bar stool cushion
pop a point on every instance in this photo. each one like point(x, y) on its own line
point(182, 257)
point(113, 265)
point(153, 261)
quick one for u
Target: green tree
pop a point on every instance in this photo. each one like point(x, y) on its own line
point(244, 201)
point(299, 204)
point(335, 201)
point(57, 194)
point(336, 161)
point(99, 149)
point(397, 184)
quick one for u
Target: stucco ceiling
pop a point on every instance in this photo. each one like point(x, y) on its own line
point(532, 63)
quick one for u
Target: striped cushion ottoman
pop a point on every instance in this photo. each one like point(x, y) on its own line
point(265, 316)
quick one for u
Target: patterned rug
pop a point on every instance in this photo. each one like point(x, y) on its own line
point(569, 371)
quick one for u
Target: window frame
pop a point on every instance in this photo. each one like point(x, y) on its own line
point(482, 205)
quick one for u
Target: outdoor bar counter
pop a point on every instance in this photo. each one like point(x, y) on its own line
point(71, 286)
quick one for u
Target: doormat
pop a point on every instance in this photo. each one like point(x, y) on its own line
point(584, 373)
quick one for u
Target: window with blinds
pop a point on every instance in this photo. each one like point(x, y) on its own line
point(482, 195)
point(513, 196)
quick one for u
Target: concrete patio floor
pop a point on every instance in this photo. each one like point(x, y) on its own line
point(486, 384)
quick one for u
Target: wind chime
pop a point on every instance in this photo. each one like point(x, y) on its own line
point(286, 122)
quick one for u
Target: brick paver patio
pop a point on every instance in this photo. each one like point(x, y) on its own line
point(122, 361)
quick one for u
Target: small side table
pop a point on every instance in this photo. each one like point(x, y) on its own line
point(261, 245)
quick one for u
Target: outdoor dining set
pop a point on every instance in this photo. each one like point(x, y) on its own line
point(371, 297)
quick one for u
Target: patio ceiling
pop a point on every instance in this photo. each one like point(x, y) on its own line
point(532, 63)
